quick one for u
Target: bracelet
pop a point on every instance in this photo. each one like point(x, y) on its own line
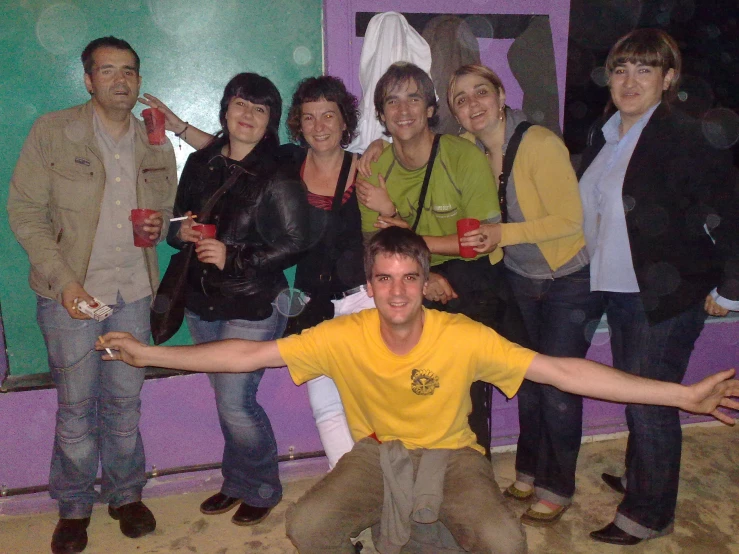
point(394, 214)
point(187, 126)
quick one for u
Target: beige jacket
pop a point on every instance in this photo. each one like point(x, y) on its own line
point(57, 188)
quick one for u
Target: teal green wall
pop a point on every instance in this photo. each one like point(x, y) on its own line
point(189, 49)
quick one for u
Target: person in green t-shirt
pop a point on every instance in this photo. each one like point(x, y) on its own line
point(460, 185)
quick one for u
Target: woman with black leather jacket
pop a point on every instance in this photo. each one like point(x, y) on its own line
point(261, 226)
point(323, 120)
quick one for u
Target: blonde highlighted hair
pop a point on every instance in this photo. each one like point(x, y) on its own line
point(472, 69)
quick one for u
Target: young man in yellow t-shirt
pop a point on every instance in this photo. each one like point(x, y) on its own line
point(404, 373)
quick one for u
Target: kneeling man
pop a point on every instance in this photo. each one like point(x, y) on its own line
point(398, 370)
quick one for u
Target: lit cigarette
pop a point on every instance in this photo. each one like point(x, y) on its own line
point(183, 218)
point(108, 350)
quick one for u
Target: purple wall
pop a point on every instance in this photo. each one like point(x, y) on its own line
point(716, 349)
point(343, 49)
point(180, 426)
point(179, 422)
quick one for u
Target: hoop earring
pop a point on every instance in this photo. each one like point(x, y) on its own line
point(501, 112)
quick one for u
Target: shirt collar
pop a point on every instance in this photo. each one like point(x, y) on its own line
point(101, 132)
point(610, 129)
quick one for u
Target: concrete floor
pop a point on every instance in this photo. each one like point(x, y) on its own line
point(707, 514)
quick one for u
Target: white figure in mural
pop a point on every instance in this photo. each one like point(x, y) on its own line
point(389, 39)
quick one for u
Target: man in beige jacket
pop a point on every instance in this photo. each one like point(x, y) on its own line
point(80, 173)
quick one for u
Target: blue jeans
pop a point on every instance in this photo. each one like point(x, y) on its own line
point(659, 351)
point(560, 316)
point(97, 420)
point(250, 452)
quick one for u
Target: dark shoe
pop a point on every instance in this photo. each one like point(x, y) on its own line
point(541, 519)
point(249, 515)
point(517, 494)
point(219, 503)
point(135, 518)
point(613, 482)
point(70, 536)
point(614, 535)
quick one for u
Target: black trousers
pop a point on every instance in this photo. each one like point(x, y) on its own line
point(486, 297)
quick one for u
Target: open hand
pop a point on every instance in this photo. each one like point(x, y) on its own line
point(171, 121)
point(375, 198)
point(712, 392)
point(370, 156)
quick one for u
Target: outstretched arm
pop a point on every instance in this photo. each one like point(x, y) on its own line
point(596, 380)
point(227, 356)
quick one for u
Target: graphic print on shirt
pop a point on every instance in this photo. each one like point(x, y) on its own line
point(424, 382)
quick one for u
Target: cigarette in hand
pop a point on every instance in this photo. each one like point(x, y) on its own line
point(183, 218)
point(108, 350)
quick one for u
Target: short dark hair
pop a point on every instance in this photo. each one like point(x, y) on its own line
point(652, 47)
point(397, 241)
point(110, 42)
point(401, 73)
point(257, 90)
point(326, 88)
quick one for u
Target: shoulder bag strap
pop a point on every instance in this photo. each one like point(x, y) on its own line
point(236, 172)
point(325, 275)
point(426, 178)
point(510, 155)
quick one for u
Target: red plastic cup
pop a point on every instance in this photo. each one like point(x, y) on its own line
point(154, 121)
point(464, 225)
point(206, 230)
point(140, 236)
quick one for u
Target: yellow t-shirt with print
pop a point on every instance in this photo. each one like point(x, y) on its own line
point(421, 398)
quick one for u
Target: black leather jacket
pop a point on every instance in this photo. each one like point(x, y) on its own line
point(262, 220)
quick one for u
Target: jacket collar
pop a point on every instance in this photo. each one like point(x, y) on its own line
point(87, 136)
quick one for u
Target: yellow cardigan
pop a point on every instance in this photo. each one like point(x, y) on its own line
point(548, 193)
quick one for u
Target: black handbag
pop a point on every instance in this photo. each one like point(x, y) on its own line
point(320, 308)
point(168, 307)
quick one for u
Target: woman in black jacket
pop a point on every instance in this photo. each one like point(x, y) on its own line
point(660, 222)
point(260, 230)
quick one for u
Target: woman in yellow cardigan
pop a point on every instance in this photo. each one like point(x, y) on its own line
point(548, 268)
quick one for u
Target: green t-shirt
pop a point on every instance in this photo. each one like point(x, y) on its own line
point(461, 185)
